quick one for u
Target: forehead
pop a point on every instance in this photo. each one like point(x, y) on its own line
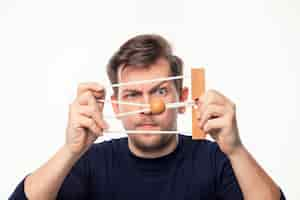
point(159, 69)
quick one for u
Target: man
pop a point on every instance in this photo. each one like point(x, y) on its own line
point(149, 166)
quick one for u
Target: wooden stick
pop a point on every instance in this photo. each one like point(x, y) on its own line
point(147, 81)
point(198, 87)
point(124, 103)
point(180, 104)
point(168, 106)
point(133, 112)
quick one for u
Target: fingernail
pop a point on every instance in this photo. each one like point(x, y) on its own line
point(197, 101)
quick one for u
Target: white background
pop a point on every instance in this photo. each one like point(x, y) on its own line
point(250, 50)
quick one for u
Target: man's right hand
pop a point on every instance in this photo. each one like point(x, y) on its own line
point(85, 122)
point(85, 125)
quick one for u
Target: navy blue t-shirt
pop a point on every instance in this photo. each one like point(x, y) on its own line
point(197, 169)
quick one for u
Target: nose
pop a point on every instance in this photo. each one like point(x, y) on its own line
point(147, 101)
point(156, 107)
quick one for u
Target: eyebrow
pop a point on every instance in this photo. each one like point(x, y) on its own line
point(151, 90)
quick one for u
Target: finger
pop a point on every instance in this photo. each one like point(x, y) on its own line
point(208, 112)
point(93, 103)
point(89, 123)
point(83, 99)
point(90, 108)
point(89, 86)
point(94, 110)
point(87, 98)
point(211, 97)
point(99, 94)
point(90, 112)
point(213, 126)
point(209, 107)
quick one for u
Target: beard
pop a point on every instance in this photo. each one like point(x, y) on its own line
point(151, 142)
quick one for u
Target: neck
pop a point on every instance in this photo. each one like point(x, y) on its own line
point(169, 148)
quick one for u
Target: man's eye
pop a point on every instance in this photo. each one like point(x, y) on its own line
point(161, 91)
point(131, 95)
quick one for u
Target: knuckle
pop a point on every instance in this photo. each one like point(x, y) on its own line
point(90, 122)
point(72, 109)
point(80, 87)
point(88, 93)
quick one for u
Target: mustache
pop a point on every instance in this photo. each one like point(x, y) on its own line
point(144, 122)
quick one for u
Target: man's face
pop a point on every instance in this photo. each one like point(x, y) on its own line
point(142, 93)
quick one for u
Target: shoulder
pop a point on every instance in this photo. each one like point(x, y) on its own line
point(101, 154)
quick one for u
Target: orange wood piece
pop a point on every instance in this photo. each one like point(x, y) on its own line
point(157, 106)
point(198, 88)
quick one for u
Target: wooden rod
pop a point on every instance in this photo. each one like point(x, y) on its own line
point(198, 88)
point(146, 81)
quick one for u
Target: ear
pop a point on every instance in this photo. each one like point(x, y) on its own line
point(183, 97)
point(114, 105)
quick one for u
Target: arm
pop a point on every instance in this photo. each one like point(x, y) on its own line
point(84, 127)
point(253, 180)
point(51, 175)
point(216, 116)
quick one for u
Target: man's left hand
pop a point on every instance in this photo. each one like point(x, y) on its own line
point(216, 116)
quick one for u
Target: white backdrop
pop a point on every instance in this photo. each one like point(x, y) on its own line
point(250, 50)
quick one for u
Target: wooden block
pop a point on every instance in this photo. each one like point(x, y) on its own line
point(198, 88)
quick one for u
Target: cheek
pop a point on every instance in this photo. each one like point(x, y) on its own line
point(123, 108)
point(128, 123)
point(128, 108)
point(168, 116)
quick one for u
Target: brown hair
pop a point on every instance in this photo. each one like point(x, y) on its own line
point(142, 51)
